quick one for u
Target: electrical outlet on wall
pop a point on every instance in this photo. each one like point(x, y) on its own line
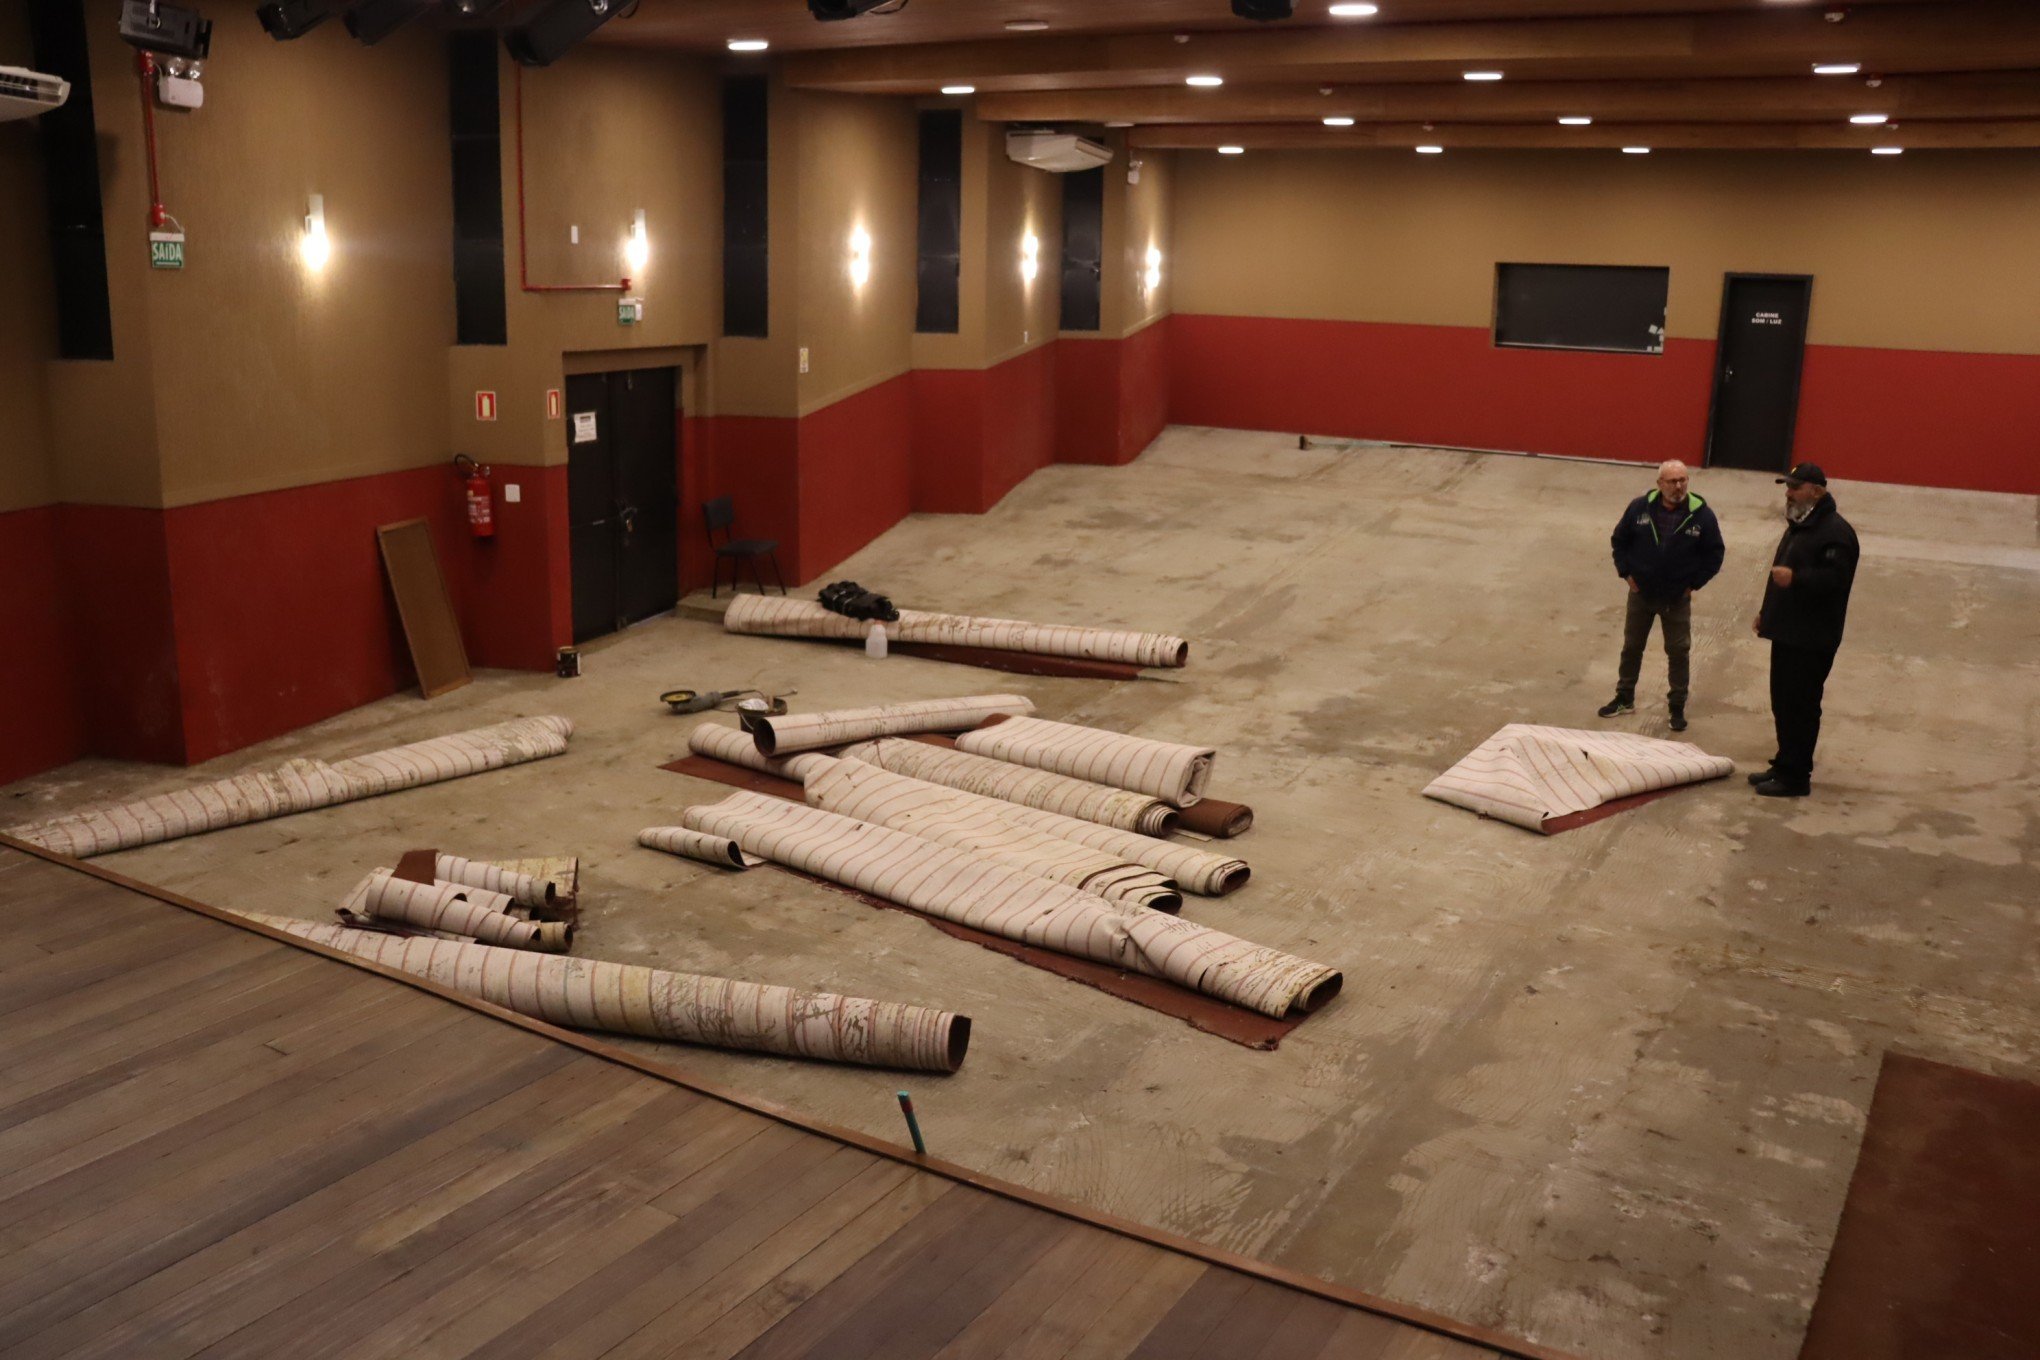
point(803, 358)
point(1025, 336)
point(574, 235)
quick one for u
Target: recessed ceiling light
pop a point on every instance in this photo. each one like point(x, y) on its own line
point(1887, 151)
point(1483, 75)
point(747, 44)
point(1338, 122)
point(1232, 150)
point(1837, 68)
point(1026, 25)
point(1577, 120)
point(1430, 151)
point(1636, 151)
point(959, 89)
point(1353, 11)
point(1204, 82)
point(1867, 119)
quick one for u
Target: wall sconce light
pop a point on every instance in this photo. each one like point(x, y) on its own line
point(315, 248)
point(860, 257)
point(1030, 256)
point(637, 247)
point(1153, 277)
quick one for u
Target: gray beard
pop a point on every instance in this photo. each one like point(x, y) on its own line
point(1797, 512)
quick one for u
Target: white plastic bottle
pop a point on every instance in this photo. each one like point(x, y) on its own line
point(874, 639)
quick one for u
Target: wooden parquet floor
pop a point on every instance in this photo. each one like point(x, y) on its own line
point(215, 1143)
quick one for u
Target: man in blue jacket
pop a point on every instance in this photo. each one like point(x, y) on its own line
point(1667, 545)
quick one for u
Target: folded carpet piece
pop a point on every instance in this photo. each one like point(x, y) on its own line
point(792, 732)
point(296, 786)
point(720, 851)
point(984, 826)
point(1079, 798)
point(974, 891)
point(1174, 773)
point(652, 1003)
point(780, 616)
point(1529, 775)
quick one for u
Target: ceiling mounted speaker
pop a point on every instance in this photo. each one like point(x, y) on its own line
point(370, 21)
point(553, 30)
point(287, 19)
point(1263, 10)
point(841, 9)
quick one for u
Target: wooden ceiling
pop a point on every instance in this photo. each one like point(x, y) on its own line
point(1672, 73)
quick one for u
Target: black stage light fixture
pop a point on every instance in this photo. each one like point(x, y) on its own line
point(841, 9)
point(1261, 11)
point(170, 29)
point(370, 21)
point(548, 34)
point(287, 19)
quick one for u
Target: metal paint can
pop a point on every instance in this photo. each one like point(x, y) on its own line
point(567, 663)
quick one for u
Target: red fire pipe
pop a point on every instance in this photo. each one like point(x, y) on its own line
point(523, 260)
point(147, 66)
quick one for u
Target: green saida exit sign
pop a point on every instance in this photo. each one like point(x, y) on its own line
point(166, 250)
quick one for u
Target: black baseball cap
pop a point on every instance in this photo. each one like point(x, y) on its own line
point(1802, 473)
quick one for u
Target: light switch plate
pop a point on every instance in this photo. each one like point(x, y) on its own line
point(512, 493)
point(803, 358)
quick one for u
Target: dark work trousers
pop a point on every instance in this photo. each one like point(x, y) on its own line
point(1798, 678)
point(1678, 622)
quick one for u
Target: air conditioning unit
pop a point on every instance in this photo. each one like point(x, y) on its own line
point(24, 94)
point(1059, 152)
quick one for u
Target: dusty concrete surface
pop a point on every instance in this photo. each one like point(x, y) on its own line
point(1603, 1090)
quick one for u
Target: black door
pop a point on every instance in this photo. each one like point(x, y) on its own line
point(623, 499)
point(1756, 375)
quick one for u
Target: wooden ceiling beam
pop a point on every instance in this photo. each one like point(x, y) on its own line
point(1748, 100)
point(1983, 35)
point(1998, 133)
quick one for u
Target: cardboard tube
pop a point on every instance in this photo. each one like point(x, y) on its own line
point(652, 1003)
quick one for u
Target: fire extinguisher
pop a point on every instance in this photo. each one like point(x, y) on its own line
point(481, 497)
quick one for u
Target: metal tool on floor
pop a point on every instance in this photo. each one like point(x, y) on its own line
point(913, 1124)
point(700, 701)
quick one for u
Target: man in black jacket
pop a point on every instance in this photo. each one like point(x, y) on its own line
point(1805, 603)
point(1667, 545)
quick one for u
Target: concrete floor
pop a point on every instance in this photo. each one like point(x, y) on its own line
point(1602, 1090)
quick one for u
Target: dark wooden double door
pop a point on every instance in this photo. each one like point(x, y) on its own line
point(623, 497)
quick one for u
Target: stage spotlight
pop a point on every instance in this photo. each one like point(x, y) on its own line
point(1261, 11)
point(548, 35)
point(287, 19)
point(170, 29)
point(370, 21)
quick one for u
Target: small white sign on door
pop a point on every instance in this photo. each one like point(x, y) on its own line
point(584, 427)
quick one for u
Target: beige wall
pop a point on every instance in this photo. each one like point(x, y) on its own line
point(1019, 315)
point(28, 337)
point(1144, 222)
point(857, 158)
point(1932, 250)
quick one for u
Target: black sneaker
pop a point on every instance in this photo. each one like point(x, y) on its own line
point(1778, 788)
point(1619, 704)
point(1678, 722)
point(1764, 775)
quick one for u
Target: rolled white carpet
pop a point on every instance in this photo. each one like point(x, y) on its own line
point(1050, 792)
point(738, 747)
point(984, 826)
point(973, 891)
point(457, 909)
point(780, 616)
point(526, 890)
point(792, 732)
point(1174, 773)
point(296, 786)
point(1527, 775)
point(720, 851)
point(653, 1003)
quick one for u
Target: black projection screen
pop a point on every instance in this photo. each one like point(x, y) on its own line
point(1581, 306)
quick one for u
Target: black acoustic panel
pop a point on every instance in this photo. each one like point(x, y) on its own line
point(70, 153)
point(1581, 306)
point(1083, 249)
point(746, 207)
point(481, 308)
point(939, 231)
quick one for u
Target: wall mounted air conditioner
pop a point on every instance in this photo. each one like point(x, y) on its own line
point(24, 94)
point(1060, 152)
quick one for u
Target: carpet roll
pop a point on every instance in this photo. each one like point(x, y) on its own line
point(1174, 773)
point(791, 732)
point(781, 616)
